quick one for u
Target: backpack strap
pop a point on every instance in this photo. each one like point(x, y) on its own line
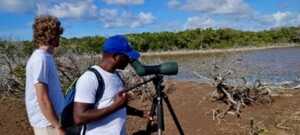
point(119, 75)
point(99, 92)
point(101, 85)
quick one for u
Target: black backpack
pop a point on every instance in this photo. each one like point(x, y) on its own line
point(66, 118)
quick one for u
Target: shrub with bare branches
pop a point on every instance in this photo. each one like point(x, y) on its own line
point(232, 88)
point(12, 61)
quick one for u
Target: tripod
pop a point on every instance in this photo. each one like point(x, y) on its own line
point(157, 107)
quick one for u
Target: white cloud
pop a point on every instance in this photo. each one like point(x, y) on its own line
point(124, 2)
point(279, 19)
point(280, 16)
point(74, 10)
point(174, 3)
point(86, 9)
point(258, 22)
point(145, 18)
point(298, 19)
point(17, 5)
point(112, 18)
point(235, 7)
point(199, 22)
point(217, 23)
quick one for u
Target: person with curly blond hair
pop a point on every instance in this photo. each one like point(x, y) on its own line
point(44, 97)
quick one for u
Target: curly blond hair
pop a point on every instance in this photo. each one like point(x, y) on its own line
point(46, 28)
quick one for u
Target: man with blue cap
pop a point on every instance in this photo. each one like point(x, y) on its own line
point(107, 116)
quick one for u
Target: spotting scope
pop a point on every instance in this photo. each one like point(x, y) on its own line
point(167, 68)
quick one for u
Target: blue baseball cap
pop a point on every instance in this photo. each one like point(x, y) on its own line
point(120, 44)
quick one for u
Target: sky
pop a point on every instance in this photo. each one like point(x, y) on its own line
point(109, 17)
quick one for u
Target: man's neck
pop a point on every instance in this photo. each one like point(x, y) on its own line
point(48, 49)
point(107, 66)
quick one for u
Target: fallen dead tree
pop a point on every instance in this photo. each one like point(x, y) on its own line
point(231, 88)
point(237, 97)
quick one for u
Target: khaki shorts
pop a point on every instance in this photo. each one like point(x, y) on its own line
point(44, 131)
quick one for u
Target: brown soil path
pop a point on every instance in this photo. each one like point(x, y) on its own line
point(194, 111)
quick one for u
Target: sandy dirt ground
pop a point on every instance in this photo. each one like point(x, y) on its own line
point(194, 110)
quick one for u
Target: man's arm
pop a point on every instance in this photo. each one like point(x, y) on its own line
point(46, 105)
point(134, 112)
point(85, 113)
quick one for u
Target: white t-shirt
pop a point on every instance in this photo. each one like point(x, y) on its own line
point(41, 68)
point(86, 87)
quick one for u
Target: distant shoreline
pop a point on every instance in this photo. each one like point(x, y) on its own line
point(189, 52)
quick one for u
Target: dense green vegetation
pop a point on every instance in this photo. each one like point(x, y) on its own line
point(189, 39)
point(210, 39)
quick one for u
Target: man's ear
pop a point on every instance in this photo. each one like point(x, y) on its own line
point(115, 57)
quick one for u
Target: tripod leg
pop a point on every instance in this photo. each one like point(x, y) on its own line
point(160, 115)
point(166, 99)
point(152, 113)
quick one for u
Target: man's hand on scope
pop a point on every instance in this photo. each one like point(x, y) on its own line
point(120, 99)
